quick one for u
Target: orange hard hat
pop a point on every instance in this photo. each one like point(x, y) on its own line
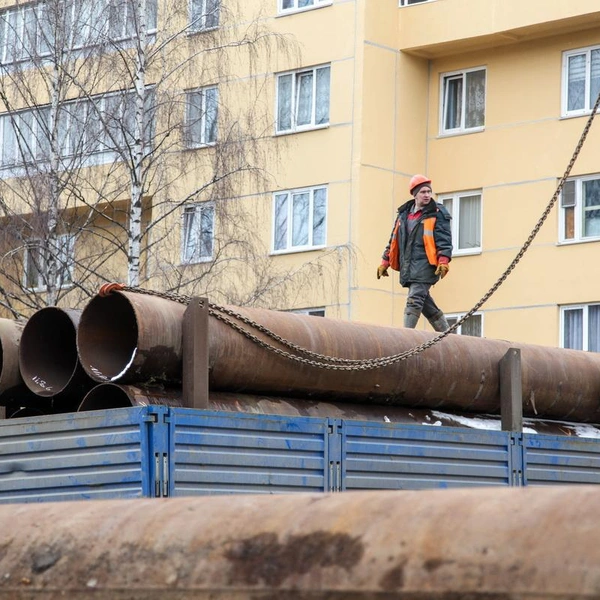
point(416, 180)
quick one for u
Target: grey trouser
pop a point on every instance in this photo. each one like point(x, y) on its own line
point(419, 301)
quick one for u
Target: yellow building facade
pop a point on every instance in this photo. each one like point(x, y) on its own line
point(488, 98)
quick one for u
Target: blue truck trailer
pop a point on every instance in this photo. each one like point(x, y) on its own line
point(160, 451)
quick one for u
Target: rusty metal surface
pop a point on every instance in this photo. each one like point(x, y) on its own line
point(112, 395)
point(10, 335)
point(129, 337)
point(535, 543)
point(48, 358)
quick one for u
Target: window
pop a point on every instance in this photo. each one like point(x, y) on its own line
point(311, 312)
point(303, 99)
point(25, 134)
point(204, 14)
point(299, 219)
point(198, 233)
point(473, 326)
point(580, 327)
point(581, 80)
point(201, 117)
point(27, 32)
point(295, 5)
point(580, 209)
point(36, 262)
point(465, 209)
point(463, 101)
point(24, 137)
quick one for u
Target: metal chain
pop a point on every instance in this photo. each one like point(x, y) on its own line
point(322, 361)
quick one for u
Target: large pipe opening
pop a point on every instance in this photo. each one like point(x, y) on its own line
point(106, 396)
point(107, 337)
point(113, 395)
point(47, 351)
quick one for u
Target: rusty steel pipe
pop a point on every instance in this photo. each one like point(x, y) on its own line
point(130, 337)
point(505, 544)
point(112, 395)
point(10, 336)
point(48, 357)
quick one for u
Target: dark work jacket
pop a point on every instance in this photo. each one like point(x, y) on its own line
point(414, 264)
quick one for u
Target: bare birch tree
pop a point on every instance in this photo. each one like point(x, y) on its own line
point(142, 135)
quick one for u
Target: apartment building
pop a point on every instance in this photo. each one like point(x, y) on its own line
point(506, 88)
point(345, 100)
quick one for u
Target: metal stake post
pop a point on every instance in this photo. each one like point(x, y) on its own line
point(195, 354)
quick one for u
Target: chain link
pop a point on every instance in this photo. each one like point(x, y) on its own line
point(322, 361)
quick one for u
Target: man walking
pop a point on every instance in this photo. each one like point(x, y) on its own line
point(420, 247)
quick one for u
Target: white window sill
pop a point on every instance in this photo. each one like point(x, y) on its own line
point(575, 115)
point(199, 146)
point(577, 241)
point(294, 11)
point(200, 261)
point(470, 252)
point(203, 30)
point(411, 5)
point(455, 132)
point(301, 129)
point(296, 250)
point(42, 288)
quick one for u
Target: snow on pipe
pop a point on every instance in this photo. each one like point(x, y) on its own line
point(534, 543)
point(127, 338)
point(48, 358)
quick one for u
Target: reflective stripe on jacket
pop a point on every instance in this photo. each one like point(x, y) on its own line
point(415, 251)
point(428, 243)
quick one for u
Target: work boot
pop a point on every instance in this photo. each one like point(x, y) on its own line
point(411, 319)
point(438, 322)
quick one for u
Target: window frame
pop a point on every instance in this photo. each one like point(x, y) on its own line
point(39, 22)
point(566, 55)
point(405, 3)
point(198, 207)
point(585, 324)
point(295, 9)
point(68, 260)
point(458, 316)
point(578, 210)
point(295, 128)
point(462, 129)
point(455, 199)
point(203, 27)
point(289, 247)
point(188, 138)
point(311, 312)
point(101, 150)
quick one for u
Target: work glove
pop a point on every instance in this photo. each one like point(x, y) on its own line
point(442, 270)
point(382, 270)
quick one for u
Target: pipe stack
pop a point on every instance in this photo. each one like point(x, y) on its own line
point(126, 349)
point(129, 338)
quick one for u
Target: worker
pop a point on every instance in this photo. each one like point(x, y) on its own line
point(420, 247)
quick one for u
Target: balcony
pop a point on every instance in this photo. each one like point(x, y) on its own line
point(441, 27)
